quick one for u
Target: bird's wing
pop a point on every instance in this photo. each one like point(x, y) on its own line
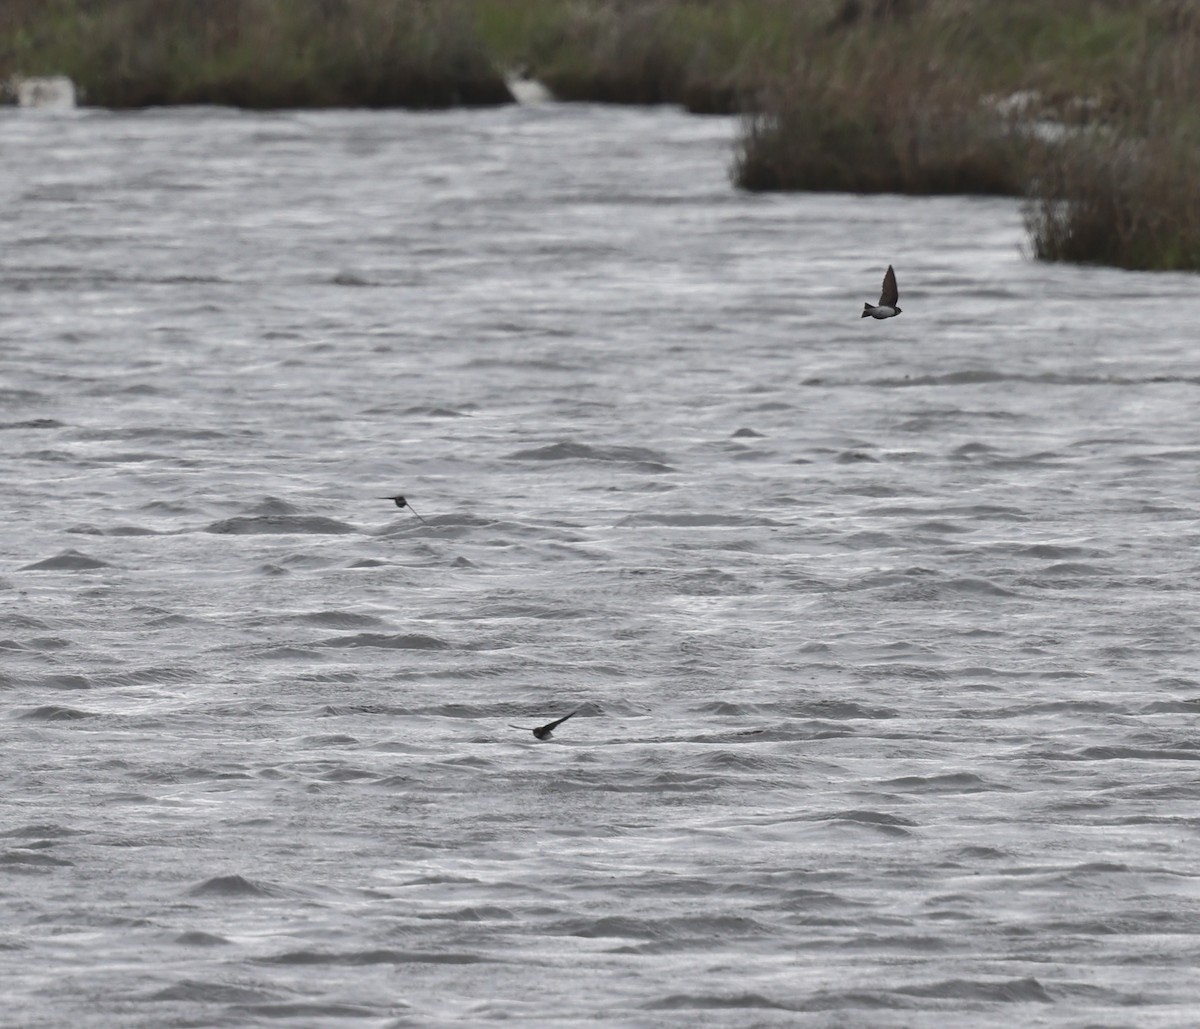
point(554, 725)
point(890, 293)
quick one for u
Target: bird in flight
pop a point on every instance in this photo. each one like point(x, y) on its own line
point(544, 732)
point(886, 308)
point(401, 502)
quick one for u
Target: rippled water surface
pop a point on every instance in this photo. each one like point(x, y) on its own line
point(881, 634)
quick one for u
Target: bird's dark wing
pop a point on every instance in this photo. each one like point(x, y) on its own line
point(890, 293)
point(551, 726)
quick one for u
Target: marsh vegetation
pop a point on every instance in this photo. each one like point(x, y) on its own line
point(254, 53)
point(1084, 107)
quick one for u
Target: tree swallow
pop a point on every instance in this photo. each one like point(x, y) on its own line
point(886, 307)
point(401, 502)
point(544, 732)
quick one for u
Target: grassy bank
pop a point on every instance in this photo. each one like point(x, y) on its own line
point(254, 53)
point(914, 96)
point(894, 129)
point(923, 102)
point(1128, 193)
point(709, 55)
point(1085, 107)
point(1130, 203)
point(770, 56)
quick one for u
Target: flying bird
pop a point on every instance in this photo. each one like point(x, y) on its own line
point(544, 732)
point(401, 502)
point(886, 308)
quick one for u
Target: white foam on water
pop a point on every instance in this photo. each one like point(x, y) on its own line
point(53, 92)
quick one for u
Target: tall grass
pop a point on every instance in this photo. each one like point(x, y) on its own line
point(863, 95)
point(256, 53)
point(1122, 203)
point(914, 104)
point(711, 56)
point(894, 130)
point(1128, 193)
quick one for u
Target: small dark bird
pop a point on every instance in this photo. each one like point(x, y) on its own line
point(544, 732)
point(401, 502)
point(886, 308)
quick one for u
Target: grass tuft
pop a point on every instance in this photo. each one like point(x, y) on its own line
point(710, 57)
point(1112, 201)
point(1127, 193)
point(886, 133)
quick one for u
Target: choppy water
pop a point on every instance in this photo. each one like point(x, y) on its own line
point(882, 634)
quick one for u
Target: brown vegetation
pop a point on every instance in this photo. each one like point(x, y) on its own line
point(1131, 204)
point(861, 95)
point(1126, 192)
point(256, 53)
point(894, 130)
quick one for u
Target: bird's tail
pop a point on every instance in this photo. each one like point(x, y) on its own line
point(866, 311)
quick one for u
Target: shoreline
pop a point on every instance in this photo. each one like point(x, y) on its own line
point(847, 95)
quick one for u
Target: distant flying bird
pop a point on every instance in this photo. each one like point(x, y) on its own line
point(886, 307)
point(544, 732)
point(401, 502)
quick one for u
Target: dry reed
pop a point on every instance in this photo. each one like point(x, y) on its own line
point(257, 53)
point(892, 131)
point(1127, 193)
point(1121, 202)
point(860, 95)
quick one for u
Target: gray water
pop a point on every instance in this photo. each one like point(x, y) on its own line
point(881, 634)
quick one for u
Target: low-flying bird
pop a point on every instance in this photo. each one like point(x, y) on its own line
point(544, 732)
point(886, 308)
point(401, 502)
